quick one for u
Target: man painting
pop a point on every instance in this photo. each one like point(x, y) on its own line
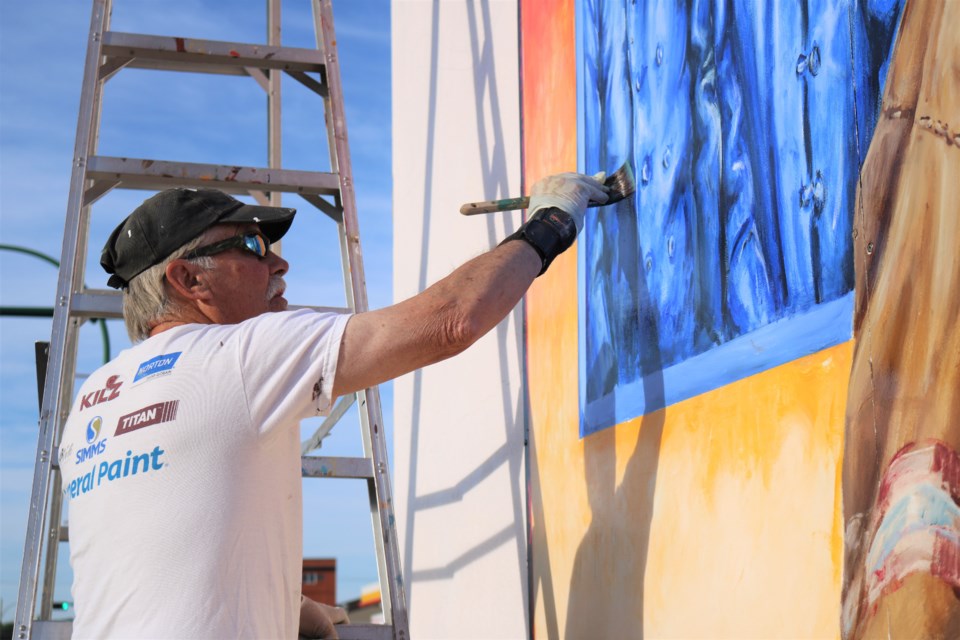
point(181, 456)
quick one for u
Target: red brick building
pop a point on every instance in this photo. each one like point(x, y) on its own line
point(320, 579)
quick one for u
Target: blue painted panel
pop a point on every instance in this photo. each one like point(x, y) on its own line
point(745, 123)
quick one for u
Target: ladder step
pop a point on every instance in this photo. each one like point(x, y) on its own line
point(49, 630)
point(365, 632)
point(137, 173)
point(336, 467)
point(207, 56)
point(62, 630)
point(105, 303)
point(98, 303)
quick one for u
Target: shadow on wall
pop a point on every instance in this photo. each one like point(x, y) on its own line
point(614, 549)
point(491, 148)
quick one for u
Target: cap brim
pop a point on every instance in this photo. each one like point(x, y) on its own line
point(273, 221)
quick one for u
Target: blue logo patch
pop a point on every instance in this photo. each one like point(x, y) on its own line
point(156, 366)
point(93, 429)
point(94, 448)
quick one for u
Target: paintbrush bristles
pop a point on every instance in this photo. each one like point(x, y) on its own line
point(620, 184)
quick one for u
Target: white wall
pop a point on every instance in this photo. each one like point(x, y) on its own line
point(460, 484)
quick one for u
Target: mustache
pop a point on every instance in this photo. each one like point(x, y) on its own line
point(275, 287)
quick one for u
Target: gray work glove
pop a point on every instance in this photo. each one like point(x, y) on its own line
point(570, 192)
point(557, 207)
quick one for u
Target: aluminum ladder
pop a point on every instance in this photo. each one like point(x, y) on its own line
point(93, 176)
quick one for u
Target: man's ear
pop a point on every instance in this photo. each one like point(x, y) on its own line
point(186, 280)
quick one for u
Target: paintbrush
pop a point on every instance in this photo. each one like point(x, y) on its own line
point(619, 185)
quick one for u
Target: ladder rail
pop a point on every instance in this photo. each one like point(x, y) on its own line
point(63, 348)
point(274, 133)
point(374, 442)
point(67, 381)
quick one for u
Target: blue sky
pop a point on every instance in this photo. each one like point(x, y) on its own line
point(180, 117)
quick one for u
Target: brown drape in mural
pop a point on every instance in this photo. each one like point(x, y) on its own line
point(900, 568)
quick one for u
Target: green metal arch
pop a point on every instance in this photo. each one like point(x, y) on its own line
point(47, 312)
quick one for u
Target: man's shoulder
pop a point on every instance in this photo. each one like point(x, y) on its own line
point(199, 340)
point(304, 319)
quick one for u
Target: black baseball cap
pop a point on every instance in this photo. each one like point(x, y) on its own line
point(170, 219)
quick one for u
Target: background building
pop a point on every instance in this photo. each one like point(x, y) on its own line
point(320, 579)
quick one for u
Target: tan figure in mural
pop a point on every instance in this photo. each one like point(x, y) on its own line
point(901, 469)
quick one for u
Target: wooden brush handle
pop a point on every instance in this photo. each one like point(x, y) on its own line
point(512, 204)
point(491, 206)
point(619, 185)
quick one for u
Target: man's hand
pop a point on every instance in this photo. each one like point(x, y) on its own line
point(557, 207)
point(317, 620)
point(570, 192)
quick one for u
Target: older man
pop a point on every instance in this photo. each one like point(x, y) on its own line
point(181, 456)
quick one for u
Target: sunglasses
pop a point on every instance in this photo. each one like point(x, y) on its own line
point(255, 243)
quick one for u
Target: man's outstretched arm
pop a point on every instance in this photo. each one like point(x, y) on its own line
point(455, 312)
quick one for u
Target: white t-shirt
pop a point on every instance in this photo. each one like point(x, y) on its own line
point(181, 462)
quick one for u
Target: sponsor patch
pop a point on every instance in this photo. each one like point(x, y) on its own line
point(110, 392)
point(147, 416)
point(95, 445)
point(158, 366)
point(66, 448)
point(93, 429)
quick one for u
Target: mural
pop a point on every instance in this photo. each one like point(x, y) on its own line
point(901, 470)
point(704, 312)
point(744, 122)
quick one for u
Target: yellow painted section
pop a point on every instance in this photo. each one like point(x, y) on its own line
point(717, 517)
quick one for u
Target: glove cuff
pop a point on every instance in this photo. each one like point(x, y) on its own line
point(550, 231)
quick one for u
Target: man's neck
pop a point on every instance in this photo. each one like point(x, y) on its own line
point(186, 315)
point(164, 326)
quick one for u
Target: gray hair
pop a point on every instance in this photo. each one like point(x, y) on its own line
point(145, 301)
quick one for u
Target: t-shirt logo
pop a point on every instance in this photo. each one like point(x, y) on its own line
point(160, 365)
point(93, 429)
point(95, 445)
point(147, 416)
point(108, 393)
